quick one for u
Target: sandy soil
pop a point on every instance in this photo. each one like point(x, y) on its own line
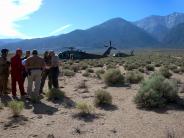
point(121, 120)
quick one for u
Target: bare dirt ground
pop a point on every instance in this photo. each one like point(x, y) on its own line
point(122, 120)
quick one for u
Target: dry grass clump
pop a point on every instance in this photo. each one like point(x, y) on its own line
point(68, 72)
point(165, 72)
point(1, 106)
point(84, 108)
point(156, 92)
point(16, 107)
point(90, 70)
point(86, 74)
point(150, 67)
point(99, 73)
point(55, 94)
point(82, 85)
point(113, 77)
point(102, 98)
point(134, 77)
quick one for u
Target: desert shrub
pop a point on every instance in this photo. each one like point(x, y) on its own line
point(165, 72)
point(102, 98)
point(134, 76)
point(16, 107)
point(141, 70)
point(86, 74)
point(156, 92)
point(55, 94)
point(83, 66)
point(99, 73)
point(84, 108)
point(157, 64)
point(82, 85)
point(176, 70)
point(150, 67)
point(131, 66)
point(75, 68)
point(89, 70)
point(172, 67)
point(113, 77)
point(69, 73)
point(1, 106)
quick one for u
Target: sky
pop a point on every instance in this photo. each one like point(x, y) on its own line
point(42, 18)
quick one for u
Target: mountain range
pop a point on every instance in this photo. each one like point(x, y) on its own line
point(150, 32)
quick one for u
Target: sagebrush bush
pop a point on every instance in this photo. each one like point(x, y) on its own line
point(165, 72)
point(150, 67)
point(68, 72)
point(16, 107)
point(156, 92)
point(99, 73)
point(1, 106)
point(134, 77)
point(75, 67)
point(102, 98)
point(84, 108)
point(86, 74)
point(55, 94)
point(113, 77)
point(90, 70)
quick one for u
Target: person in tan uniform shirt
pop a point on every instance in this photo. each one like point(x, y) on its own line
point(34, 65)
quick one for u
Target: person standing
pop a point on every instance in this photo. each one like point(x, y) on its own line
point(46, 72)
point(28, 53)
point(54, 70)
point(34, 65)
point(17, 73)
point(4, 71)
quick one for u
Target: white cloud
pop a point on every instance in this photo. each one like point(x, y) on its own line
point(60, 29)
point(12, 11)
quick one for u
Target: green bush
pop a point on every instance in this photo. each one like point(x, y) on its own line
point(113, 77)
point(99, 73)
point(150, 67)
point(102, 98)
point(84, 108)
point(156, 92)
point(89, 70)
point(86, 74)
point(165, 72)
point(16, 107)
point(55, 94)
point(141, 70)
point(1, 106)
point(134, 77)
point(75, 68)
point(69, 73)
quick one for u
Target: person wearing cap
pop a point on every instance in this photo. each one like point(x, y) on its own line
point(46, 72)
point(4, 71)
point(34, 65)
point(54, 70)
point(17, 73)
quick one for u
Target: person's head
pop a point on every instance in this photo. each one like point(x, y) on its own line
point(4, 52)
point(19, 52)
point(46, 54)
point(52, 53)
point(28, 53)
point(35, 52)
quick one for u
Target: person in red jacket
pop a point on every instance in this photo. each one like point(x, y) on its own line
point(17, 73)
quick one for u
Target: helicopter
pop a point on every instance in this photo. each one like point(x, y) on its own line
point(75, 54)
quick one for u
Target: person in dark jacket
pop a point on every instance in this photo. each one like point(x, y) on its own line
point(4, 71)
point(46, 72)
point(17, 73)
